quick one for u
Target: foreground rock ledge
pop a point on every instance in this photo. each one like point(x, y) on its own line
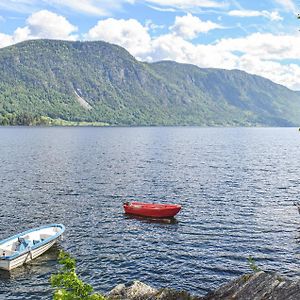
point(257, 286)
point(141, 291)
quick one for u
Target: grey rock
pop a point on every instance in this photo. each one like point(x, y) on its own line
point(137, 291)
point(171, 294)
point(255, 286)
point(258, 286)
point(117, 292)
point(141, 291)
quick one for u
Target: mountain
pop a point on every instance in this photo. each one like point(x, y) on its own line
point(98, 81)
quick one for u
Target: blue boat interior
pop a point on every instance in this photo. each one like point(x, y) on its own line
point(29, 240)
point(24, 243)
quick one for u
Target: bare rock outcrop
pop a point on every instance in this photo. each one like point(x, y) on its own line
point(258, 286)
point(141, 291)
point(255, 286)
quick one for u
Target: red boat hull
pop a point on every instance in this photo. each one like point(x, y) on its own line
point(151, 210)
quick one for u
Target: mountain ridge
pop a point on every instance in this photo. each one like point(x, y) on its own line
point(101, 82)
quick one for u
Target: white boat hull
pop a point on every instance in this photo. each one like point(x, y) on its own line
point(12, 258)
point(25, 258)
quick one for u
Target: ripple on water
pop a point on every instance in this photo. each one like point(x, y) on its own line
point(236, 185)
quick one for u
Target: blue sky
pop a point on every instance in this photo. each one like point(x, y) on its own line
point(260, 37)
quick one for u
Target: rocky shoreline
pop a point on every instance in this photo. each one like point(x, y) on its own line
point(256, 286)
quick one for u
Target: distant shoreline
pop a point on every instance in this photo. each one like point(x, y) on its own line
point(64, 123)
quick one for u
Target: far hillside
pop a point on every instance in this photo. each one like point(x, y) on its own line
point(47, 80)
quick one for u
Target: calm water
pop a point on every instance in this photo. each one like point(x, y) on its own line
point(237, 187)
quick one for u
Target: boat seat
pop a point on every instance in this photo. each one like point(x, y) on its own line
point(7, 252)
point(23, 244)
point(44, 236)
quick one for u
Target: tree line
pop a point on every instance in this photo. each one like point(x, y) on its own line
point(24, 118)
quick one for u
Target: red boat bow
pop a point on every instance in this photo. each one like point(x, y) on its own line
point(151, 209)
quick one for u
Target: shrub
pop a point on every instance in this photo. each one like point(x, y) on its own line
point(68, 285)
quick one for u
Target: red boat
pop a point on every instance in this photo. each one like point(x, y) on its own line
point(151, 209)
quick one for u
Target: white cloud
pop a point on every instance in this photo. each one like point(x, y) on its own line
point(83, 6)
point(264, 45)
point(21, 6)
point(167, 9)
point(265, 54)
point(105, 7)
point(21, 34)
point(273, 16)
point(283, 74)
point(5, 40)
point(260, 54)
point(149, 25)
point(46, 24)
point(190, 26)
point(288, 5)
point(170, 47)
point(189, 4)
point(42, 24)
point(91, 7)
point(129, 34)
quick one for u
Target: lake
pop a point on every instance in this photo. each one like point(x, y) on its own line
point(236, 185)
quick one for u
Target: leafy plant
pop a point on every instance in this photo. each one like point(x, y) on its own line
point(252, 264)
point(68, 285)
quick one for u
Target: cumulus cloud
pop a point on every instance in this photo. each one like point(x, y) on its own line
point(261, 54)
point(42, 24)
point(264, 45)
point(265, 54)
point(170, 47)
point(46, 24)
point(129, 34)
point(190, 26)
point(273, 16)
point(283, 74)
point(258, 53)
point(5, 40)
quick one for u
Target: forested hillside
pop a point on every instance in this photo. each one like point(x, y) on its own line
point(44, 80)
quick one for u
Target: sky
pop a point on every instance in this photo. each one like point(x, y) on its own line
point(258, 36)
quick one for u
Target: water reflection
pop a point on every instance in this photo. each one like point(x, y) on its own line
point(40, 265)
point(152, 220)
point(237, 186)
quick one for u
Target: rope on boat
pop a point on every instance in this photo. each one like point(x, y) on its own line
point(29, 254)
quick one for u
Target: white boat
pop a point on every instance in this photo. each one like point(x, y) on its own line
point(24, 247)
